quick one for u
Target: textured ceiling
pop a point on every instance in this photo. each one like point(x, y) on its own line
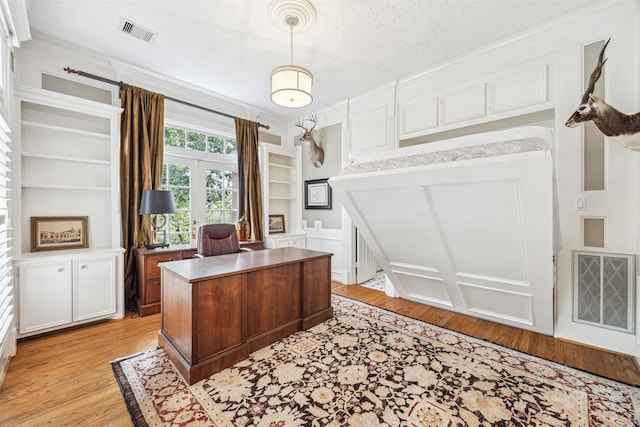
point(230, 47)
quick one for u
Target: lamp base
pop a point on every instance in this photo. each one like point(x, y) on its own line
point(157, 245)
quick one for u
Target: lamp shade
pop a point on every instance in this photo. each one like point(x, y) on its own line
point(291, 86)
point(157, 202)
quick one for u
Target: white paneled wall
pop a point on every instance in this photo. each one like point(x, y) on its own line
point(531, 78)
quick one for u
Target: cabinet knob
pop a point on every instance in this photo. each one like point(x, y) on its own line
point(84, 266)
point(60, 269)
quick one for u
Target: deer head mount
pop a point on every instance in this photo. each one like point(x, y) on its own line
point(316, 153)
point(623, 128)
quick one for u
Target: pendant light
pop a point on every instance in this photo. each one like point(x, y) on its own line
point(291, 84)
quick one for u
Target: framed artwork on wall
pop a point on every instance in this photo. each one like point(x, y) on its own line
point(317, 194)
point(276, 224)
point(49, 233)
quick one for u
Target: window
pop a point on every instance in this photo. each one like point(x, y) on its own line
point(222, 196)
point(200, 168)
point(177, 178)
point(199, 141)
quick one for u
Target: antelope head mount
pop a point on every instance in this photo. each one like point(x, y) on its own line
point(316, 153)
point(623, 128)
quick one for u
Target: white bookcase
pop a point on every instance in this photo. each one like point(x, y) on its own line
point(281, 176)
point(66, 163)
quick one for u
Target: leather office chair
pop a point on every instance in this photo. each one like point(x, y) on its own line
point(218, 239)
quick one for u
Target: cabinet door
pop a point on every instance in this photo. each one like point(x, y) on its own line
point(465, 104)
point(94, 288)
point(45, 296)
point(417, 116)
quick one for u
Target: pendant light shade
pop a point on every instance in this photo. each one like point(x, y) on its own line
point(291, 86)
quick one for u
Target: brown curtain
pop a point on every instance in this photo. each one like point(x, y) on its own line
point(141, 151)
point(249, 188)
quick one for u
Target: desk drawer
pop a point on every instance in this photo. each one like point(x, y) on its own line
point(152, 291)
point(151, 263)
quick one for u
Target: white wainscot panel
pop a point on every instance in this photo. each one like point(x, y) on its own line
point(498, 304)
point(396, 226)
point(464, 104)
point(328, 240)
point(368, 131)
point(418, 115)
point(481, 241)
point(424, 288)
point(519, 90)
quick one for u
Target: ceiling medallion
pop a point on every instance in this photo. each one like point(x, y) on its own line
point(281, 10)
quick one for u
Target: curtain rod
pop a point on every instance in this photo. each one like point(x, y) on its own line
point(119, 84)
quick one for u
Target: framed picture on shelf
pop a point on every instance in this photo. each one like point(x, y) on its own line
point(276, 224)
point(50, 233)
point(317, 194)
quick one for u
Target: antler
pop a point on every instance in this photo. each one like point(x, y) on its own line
point(300, 125)
point(314, 120)
point(595, 75)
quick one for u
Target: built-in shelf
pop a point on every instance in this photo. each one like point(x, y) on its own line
point(278, 165)
point(280, 171)
point(275, 181)
point(66, 158)
point(281, 198)
point(65, 129)
point(66, 165)
point(65, 187)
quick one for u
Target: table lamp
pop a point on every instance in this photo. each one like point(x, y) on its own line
point(157, 203)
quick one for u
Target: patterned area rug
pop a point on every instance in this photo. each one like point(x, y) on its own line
point(370, 367)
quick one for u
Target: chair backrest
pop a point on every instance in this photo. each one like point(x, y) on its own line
point(217, 239)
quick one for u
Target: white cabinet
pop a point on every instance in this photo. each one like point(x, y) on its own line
point(65, 292)
point(418, 115)
point(94, 291)
point(371, 122)
point(519, 90)
point(290, 240)
point(425, 107)
point(463, 104)
point(45, 296)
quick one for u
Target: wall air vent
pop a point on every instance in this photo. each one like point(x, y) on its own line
point(137, 31)
point(603, 290)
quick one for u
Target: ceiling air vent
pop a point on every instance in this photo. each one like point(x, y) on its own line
point(137, 31)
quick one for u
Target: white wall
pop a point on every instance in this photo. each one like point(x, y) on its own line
point(374, 121)
point(49, 56)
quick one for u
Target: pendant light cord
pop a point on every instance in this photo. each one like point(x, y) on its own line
point(291, 43)
point(292, 21)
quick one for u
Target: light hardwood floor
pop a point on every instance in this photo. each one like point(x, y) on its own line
point(65, 379)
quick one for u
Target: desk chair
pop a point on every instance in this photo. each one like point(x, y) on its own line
point(218, 239)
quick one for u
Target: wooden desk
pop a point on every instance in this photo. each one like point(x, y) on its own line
point(217, 310)
point(148, 271)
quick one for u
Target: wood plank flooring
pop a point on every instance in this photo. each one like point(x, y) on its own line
point(65, 379)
